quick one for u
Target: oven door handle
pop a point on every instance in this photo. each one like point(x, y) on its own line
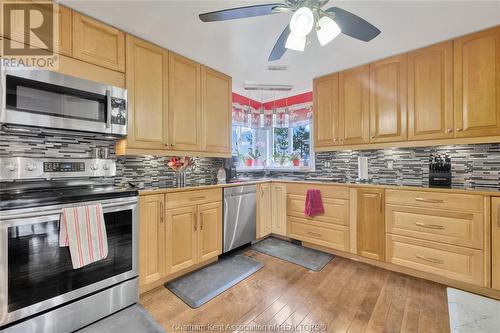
point(108, 108)
point(58, 211)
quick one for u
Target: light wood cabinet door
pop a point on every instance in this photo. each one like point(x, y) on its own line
point(430, 92)
point(495, 235)
point(210, 231)
point(184, 103)
point(181, 239)
point(354, 102)
point(152, 256)
point(325, 104)
point(216, 101)
point(62, 37)
point(477, 84)
point(370, 223)
point(278, 204)
point(264, 216)
point(147, 86)
point(388, 104)
point(98, 43)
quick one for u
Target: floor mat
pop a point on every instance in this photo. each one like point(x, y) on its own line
point(130, 320)
point(472, 313)
point(296, 254)
point(199, 287)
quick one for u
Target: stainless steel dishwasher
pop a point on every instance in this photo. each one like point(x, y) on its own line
point(240, 204)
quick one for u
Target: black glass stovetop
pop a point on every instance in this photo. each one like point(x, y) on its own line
point(31, 195)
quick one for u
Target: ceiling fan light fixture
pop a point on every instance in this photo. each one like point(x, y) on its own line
point(294, 42)
point(302, 22)
point(328, 29)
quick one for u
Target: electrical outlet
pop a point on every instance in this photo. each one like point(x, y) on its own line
point(328, 164)
point(390, 165)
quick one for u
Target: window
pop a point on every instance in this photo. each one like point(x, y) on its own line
point(273, 148)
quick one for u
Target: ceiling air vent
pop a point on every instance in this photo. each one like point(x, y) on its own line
point(277, 68)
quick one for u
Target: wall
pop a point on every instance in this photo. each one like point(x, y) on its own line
point(472, 166)
point(148, 171)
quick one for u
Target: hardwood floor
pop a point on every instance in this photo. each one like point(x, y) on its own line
point(346, 296)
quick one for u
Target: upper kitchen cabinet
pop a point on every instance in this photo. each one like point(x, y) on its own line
point(147, 85)
point(388, 89)
point(430, 92)
point(98, 43)
point(216, 103)
point(325, 104)
point(62, 39)
point(184, 104)
point(354, 102)
point(477, 84)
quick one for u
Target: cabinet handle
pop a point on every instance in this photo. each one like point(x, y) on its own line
point(195, 221)
point(433, 260)
point(429, 226)
point(201, 221)
point(460, 129)
point(334, 139)
point(197, 198)
point(161, 212)
point(449, 130)
point(314, 234)
point(429, 200)
point(261, 193)
point(498, 217)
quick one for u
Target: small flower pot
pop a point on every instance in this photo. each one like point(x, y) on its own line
point(296, 163)
point(248, 162)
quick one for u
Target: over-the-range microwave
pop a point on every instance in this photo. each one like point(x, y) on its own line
point(42, 98)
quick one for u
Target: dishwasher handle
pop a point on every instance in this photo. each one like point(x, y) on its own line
point(240, 194)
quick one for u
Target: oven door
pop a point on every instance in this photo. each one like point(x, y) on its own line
point(41, 98)
point(36, 274)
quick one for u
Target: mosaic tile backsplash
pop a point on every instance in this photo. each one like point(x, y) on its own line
point(472, 165)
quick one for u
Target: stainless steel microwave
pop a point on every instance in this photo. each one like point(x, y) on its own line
point(41, 98)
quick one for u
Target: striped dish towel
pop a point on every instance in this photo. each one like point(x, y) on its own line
point(83, 230)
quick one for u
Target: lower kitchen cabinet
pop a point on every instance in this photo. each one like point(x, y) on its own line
point(278, 215)
point(152, 239)
point(370, 223)
point(495, 235)
point(264, 214)
point(181, 231)
point(210, 231)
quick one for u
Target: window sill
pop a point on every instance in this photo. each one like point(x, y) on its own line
point(273, 169)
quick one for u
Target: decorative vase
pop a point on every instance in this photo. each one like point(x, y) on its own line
point(249, 162)
point(296, 163)
point(180, 178)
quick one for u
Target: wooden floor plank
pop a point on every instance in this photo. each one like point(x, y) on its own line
point(346, 296)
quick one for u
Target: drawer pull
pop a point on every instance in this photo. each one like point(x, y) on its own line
point(429, 226)
point(315, 234)
point(197, 198)
point(429, 200)
point(433, 260)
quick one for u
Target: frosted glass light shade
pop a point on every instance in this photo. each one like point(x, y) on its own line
point(302, 22)
point(297, 43)
point(328, 30)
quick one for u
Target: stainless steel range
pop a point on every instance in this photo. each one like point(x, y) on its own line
point(39, 289)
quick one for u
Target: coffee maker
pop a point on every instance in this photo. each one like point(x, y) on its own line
point(230, 167)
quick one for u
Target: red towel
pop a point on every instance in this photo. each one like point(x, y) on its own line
point(314, 204)
point(83, 230)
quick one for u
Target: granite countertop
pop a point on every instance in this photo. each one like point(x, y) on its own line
point(489, 191)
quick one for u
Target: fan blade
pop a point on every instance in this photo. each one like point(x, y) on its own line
point(279, 48)
point(353, 25)
point(241, 12)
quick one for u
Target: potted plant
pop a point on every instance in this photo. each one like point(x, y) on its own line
point(295, 158)
point(280, 158)
point(249, 160)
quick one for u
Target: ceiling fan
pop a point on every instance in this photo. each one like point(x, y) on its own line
point(307, 14)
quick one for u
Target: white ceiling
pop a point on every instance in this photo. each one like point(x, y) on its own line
point(240, 48)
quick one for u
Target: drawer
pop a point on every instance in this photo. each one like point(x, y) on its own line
point(457, 228)
point(189, 198)
point(460, 202)
point(334, 236)
point(453, 262)
point(327, 191)
point(336, 210)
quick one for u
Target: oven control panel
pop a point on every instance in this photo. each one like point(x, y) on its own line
point(19, 168)
point(63, 166)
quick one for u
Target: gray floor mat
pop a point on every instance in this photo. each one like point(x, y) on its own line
point(133, 319)
point(305, 257)
point(199, 287)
